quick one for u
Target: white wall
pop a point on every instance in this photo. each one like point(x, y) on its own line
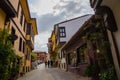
point(73, 26)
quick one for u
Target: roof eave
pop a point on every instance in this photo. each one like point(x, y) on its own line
point(8, 8)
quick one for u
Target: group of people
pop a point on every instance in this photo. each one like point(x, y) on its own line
point(49, 63)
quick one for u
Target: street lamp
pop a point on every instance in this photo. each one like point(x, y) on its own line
point(98, 51)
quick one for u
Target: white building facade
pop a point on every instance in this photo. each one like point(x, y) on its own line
point(64, 31)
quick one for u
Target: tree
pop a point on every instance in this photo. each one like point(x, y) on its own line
point(7, 56)
point(33, 57)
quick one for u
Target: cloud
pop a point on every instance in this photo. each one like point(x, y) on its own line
point(42, 6)
point(65, 9)
point(44, 46)
point(46, 22)
point(41, 41)
point(50, 12)
point(33, 8)
point(73, 8)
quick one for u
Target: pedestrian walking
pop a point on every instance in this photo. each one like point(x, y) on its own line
point(51, 63)
point(46, 63)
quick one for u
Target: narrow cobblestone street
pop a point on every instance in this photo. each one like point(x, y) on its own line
point(42, 73)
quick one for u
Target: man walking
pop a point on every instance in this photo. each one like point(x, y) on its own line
point(46, 63)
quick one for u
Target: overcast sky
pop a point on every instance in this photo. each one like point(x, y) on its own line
point(50, 12)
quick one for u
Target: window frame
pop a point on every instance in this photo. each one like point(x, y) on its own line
point(62, 32)
point(23, 48)
point(25, 23)
point(13, 33)
point(81, 57)
point(21, 17)
point(20, 44)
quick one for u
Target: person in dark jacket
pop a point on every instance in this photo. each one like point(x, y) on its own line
point(51, 63)
point(48, 63)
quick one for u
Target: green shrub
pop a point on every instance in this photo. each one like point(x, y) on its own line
point(108, 74)
point(7, 56)
point(90, 71)
point(33, 57)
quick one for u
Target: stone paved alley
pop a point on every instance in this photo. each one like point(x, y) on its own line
point(42, 73)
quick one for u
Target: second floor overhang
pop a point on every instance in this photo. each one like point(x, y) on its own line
point(8, 8)
point(29, 41)
point(30, 20)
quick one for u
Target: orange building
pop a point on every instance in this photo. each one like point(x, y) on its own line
point(41, 56)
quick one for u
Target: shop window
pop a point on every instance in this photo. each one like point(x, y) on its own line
point(72, 59)
point(82, 54)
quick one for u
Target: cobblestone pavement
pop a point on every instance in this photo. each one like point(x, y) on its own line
point(42, 73)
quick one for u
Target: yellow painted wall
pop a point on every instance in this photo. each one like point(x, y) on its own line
point(2, 18)
point(14, 4)
point(53, 40)
point(28, 62)
point(15, 23)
